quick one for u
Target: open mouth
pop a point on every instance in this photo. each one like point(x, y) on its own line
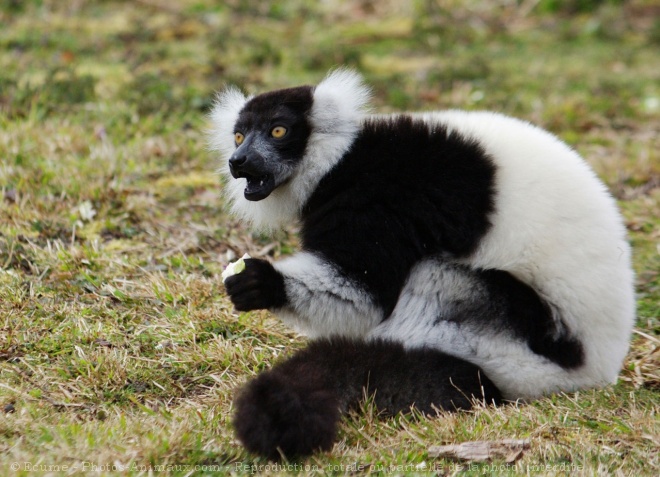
point(258, 187)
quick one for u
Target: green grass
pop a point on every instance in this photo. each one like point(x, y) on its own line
point(118, 346)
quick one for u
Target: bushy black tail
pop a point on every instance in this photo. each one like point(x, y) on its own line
point(294, 408)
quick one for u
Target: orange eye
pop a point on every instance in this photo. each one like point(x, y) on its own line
point(278, 132)
point(239, 138)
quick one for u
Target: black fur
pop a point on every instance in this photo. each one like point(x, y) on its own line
point(257, 287)
point(499, 302)
point(277, 415)
point(401, 193)
point(287, 107)
point(530, 318)
point(293, 409)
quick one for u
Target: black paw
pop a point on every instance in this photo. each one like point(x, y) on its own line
point(276, 418)
point(257, 287)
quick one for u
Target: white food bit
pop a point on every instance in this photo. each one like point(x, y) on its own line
point(235, 267)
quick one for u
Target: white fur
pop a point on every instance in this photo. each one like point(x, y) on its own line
point(223, 116)
point(337, 111)
point(323, 302)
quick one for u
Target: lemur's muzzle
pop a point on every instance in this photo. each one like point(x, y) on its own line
point(248, 164)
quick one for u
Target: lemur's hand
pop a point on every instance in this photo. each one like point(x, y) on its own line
point(257, 287)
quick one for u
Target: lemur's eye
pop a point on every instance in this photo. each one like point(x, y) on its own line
point(238, 138)
point(278, 132)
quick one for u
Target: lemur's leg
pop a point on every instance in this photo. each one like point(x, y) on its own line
point(491, 319)
point(307, 293)
point(294, 408)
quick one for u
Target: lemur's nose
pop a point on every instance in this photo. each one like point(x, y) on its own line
point(236, 161)
point(245, 164)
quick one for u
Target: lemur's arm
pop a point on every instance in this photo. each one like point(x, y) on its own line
point(308, 293)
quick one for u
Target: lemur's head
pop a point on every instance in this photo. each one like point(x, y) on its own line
point(277, 146)
point(271, 135)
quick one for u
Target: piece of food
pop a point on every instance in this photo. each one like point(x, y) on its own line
point(235, 267)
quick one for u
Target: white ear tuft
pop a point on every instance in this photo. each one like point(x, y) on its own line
point(339, 105)
point(340, 100)
point(223, 116)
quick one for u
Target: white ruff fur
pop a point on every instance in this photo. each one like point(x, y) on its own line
point(555, 227)
point(337, 111)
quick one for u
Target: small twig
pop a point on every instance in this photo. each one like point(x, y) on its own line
point(648, 337)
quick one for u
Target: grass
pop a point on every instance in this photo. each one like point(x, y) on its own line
point(119, 352)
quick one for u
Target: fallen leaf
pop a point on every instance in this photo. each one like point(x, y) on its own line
point(481, 451)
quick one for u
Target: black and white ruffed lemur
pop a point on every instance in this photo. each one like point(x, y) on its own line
point(446, 256)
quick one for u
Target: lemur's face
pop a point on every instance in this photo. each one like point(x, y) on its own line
point(271, 135)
